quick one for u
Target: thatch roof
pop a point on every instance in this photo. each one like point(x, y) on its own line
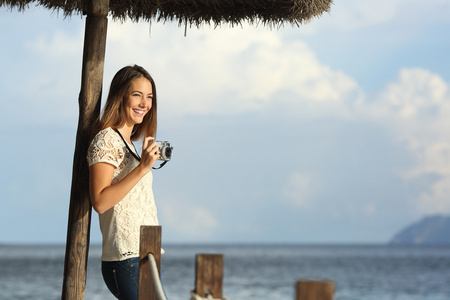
point(195, 12)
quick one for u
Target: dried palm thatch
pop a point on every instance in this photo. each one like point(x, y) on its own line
point(196, 12)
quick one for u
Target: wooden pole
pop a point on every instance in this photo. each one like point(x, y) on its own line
point(150, 242)
point(314, 290)
point(78, 228)
point(209, 275)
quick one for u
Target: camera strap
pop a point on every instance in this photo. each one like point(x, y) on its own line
point(161, 165)
point(134, 153)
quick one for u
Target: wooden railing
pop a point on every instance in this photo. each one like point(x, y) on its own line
point(208, 273)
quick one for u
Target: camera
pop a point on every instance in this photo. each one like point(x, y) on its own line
point(165, 150)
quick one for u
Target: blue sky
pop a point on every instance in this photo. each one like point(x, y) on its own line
point(334, 132)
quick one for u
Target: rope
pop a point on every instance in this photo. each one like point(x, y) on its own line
point(155, 275)
point(194, 296)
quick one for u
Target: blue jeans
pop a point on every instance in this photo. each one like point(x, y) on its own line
point(122, 277)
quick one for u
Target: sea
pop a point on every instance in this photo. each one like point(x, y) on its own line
point(366, 272)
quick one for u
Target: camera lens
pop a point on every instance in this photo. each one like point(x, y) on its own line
point(168, 153)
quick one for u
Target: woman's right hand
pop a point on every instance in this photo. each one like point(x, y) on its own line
point(150, 153)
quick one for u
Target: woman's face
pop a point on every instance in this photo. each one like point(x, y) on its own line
point(138, 101)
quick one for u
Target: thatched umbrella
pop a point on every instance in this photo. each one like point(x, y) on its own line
point(270, 13)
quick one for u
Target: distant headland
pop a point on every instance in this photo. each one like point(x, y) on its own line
point(431, 230)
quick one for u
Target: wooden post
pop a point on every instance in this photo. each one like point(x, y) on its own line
point(78, 228)
point(315, 290)
point(150, 243)
point(209, 275)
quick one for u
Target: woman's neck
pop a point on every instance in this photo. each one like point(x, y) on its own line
point(126, 131)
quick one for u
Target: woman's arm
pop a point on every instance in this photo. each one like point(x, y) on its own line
point(105, 195)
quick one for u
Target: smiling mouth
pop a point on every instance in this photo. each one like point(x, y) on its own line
point(139, 112)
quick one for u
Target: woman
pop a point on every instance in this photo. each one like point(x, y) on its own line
point(120, 182)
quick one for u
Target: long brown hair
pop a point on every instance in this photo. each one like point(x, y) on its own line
point(114, 112)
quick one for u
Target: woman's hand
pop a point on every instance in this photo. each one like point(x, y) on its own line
point(150, 153)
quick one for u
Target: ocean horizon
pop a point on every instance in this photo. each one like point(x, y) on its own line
point(251, 271)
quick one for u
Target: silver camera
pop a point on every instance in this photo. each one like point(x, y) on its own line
point(165, 150)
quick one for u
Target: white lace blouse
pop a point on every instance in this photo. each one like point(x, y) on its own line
point(120, 225)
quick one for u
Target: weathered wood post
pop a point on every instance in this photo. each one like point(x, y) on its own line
point(77, 244)
point(150, 242)
point(209, 275)
point(314, 290)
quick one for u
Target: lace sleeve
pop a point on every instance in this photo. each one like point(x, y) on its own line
point(105, 148)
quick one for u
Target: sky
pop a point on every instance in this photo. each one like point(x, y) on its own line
point(336, 131)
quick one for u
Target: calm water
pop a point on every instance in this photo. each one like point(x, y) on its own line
point(251, 272)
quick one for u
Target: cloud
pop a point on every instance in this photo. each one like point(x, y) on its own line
point(436, 199)
point(229, 71)
point(416, 94)
point(415, 109)
point(189, 221)
point(358, 14)
point(299, 189)
point(370, 209)
point(47, 76)
point(57, 45)
point(352, 15)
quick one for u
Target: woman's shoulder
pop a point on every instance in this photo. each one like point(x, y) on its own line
point(105, 146)
point(106, 133)
point(108, 137)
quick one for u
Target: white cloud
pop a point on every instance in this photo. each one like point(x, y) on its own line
point(349, 15)
point(299, 189)
point(415, 109)
point(228, 71)
point(187, 220)
point(437, 199)
point(48, 78)
point(292, 66)
point(416, 93)
point(369, 209)
point(58, 45)
point(356, 14)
